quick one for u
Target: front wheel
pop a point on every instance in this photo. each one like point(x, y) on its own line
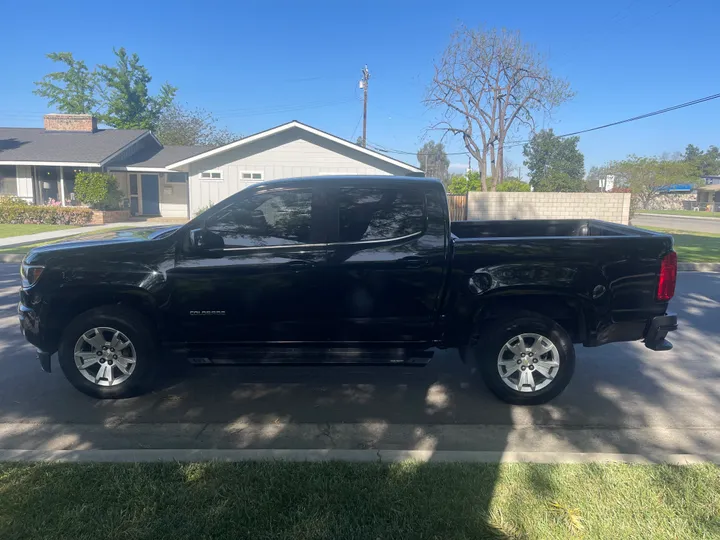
point(109, 352)
point(527, 360)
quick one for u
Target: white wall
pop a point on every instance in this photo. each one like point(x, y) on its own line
point(286, 155)
point(25, 182)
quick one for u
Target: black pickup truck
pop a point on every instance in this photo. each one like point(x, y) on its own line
point(346, 270)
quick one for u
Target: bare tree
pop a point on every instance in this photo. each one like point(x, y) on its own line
point(488, 84)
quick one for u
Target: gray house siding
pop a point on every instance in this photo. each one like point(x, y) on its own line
point(288, 154)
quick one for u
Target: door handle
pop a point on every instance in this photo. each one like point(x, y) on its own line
point(414, 262)
point(299, 265)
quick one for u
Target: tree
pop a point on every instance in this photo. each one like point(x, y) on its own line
point(186, 127)
point(645, 175)
point(433, 160)
point(460, 184)
point(513, 184)
point(707, 163)
point(554, 163)
point(72, 91)
point(488, 84)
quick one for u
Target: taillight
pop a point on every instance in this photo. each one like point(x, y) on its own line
point(668, 277)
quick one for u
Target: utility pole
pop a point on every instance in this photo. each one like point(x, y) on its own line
point(364, 86)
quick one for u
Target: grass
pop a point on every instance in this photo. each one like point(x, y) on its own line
point(694, 247)
point(22, 249)
point(8, 230)
point(681, 213)
point(277, 500)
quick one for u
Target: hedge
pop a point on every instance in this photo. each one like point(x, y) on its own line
point(19, 212)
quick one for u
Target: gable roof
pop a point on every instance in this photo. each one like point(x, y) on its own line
point(36, 146)
point(290, 125)
point(156, 158)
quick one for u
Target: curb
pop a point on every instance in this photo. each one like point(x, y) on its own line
point(357, 456)
point(698, 267)
point(716, 219)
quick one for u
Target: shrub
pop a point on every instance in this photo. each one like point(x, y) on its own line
point(11, 200)
point(513, 184)
point(23, 213)
point(98, 190)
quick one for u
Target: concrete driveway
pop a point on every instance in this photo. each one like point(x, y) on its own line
point(677, 223)
point(623, 399)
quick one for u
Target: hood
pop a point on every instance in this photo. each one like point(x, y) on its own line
point(100, 240)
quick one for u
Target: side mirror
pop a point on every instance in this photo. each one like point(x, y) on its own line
point(197, 239)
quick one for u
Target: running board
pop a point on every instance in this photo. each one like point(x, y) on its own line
point(308, 356)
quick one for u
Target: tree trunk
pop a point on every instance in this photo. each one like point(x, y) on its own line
point(492, 167)
point(482, 167)
point(500, 166)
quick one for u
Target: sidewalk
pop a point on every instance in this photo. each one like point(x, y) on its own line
point(682, 216)
point(53, 235)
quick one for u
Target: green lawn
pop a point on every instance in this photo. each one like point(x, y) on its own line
point(7, 230)
point(276, 500)
point(681, 213)
point(22, 249)
point(694, 247)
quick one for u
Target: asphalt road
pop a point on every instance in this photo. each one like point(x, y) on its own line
point(677, 223)
point(623, 398)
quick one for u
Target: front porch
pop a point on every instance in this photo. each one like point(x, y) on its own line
point(158, 193)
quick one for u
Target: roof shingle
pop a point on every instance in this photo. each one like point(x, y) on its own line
point(36, 144)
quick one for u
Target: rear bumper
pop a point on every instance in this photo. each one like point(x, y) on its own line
point(658, 329)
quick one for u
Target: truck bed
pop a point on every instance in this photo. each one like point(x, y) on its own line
point(541, 228)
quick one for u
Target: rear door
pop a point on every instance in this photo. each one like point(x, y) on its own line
point(260, 278)
point(386, 264)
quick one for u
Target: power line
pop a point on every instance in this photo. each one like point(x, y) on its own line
point(596, 128)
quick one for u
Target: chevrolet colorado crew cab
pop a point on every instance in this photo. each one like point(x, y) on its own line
point(346, 270)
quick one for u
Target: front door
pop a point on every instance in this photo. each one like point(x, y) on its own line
point(150, 195)
point(259, 278)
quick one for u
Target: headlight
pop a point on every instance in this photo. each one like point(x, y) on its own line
point(30, 274)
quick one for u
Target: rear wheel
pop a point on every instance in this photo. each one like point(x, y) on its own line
point(527, 360)
point(109, 352)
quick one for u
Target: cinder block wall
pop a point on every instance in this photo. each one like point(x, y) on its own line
point(614, 207)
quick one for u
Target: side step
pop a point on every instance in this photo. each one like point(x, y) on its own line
point(308, 356)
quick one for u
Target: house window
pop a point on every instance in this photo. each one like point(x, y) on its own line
point(252, 176)
point(211, 175)
point(176, 178)
point(8, 180)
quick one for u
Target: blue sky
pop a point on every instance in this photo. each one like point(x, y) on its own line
point(259, 64)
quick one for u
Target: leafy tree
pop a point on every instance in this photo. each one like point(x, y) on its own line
point(644, 176)
point(185, 127)
point(128, 103)
point(433, 160)
point(460, 184)
point(487, 84)
point(707, 163)
point(513, 184)
point(72, 91)
point(560, 181)
point(554, 163)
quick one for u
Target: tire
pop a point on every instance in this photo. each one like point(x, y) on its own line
point(492, 344)
point(121, 377)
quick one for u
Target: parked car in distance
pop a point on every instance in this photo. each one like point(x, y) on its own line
point(346, 270)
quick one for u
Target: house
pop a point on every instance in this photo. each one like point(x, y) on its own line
point(40, 164)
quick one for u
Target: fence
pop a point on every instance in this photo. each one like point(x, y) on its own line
point(458, 207)
point(701, 206)
point(614, 207)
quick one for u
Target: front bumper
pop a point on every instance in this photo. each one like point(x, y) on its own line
point(658, 329)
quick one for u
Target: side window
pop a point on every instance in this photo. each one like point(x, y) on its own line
point(366, 214)
point(265, 219)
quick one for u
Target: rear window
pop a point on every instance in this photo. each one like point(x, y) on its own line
point(367, 214)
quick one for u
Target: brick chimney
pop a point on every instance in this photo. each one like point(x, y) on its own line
point(70, 122)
